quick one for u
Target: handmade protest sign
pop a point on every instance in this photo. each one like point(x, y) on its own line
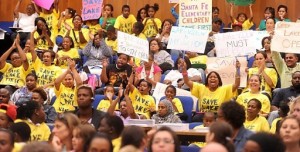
point(195, 14)
point(91, 9)
point(188, 39)
point(227, 70)
point(173, 1)
point(133, 46)
point(286, 38)
point(46, 4)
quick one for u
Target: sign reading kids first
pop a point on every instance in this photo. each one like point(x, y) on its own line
point(195, 14)
point(91, 9)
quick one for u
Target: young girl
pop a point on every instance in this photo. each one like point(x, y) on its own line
point(124, 22)
point(170, 94)
point(107, 18)
point(141, 15)
point(68, 52)
point(104, 104)
point(269, 13)
point(42, 36)
point(65, 21)
point(137, 30)
point(282, 10)
point(242, 18)
point(93, 26)
point(65, 89)
point(82, 134)
point(152, 24)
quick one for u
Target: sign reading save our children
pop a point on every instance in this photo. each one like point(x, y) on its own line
point(133, 46)
point(187, 39)
point(195, 14)
point(46, 4)
point(91, 9)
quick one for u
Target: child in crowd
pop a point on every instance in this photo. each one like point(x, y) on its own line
point(65, 20)
point(68, 52)
point(152, 24)
point(137, 30)
point(107, 18)
point(81, 137)
point(269, 13)
point(112, 41)
point(170, 94)
point(94, 26)
point(242, 18)
point(42, 35)
point(109, 93)
point(282, 11)
point(124, 22)
point(141, 15)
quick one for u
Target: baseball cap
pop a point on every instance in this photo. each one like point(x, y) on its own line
point(9, 110)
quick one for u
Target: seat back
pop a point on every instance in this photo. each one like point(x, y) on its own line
point(97, 100)
point(190, 149)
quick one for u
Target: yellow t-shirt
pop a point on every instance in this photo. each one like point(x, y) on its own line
point(246, 25)
point(63, 30)
point(117, 144)
point(113, 44)
point(257, 125)
point(264, 86)
point(76, 40)
point(42, 44)
point(142, 36)
point(72, 53)
point(141, 103)
point(178, 105)
point(210, 101)
point(125, 24)
point(244, 98)
point(150, 29)
point(52, 21)
point(14, 76)
point(104, 105)
point(39, 132)
point(45, 74)
point(199, 144)
point(93, 28)
point(66, 99)
point(29, 58)
point(201, 59)
point(273, 125)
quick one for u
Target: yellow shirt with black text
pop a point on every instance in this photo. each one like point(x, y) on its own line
point(62, 29)
point(66, 99)
point(52, 21)
point(150, 30)
point(244, 98)
point(14, 76)
point(39, 132)
point(41, 44)
point(259, 124)
point(75, 37)
point(72, 53)
point(125, 24)
point(45, 74)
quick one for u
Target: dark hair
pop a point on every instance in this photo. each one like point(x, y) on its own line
point(163, 23)
point(11, 135)
point(115, 122)
point(271, 18)
point(258, 103)
point(261, 52)
point(173, 134)
point(256, 75)
point(155, 7)
point(102, 136)
point(271, 10)
point(111, 8)
point(125, 6)
point(139, 26)
point(218, 76)
point(215, 8)
point(68, 37)
point(86, 87)
point(86, 132)
point(32, 75)
point(22, 129)
point(234, 113)
point(111, 28)
point(31, 106)
point(171, 86)
point(76, 16)
point(263, 40)
point(158, 42)
point(133, 135)
point(127, 56)
point(282, 6)
point(223, 133)
point(41, 30)
point(138, 16)
point(41, 92)
point(186, 60)
point(71, 11)
point(51, 53)
point(143, 80)
point(268, 142)
point(242, 14)
point(284, 108)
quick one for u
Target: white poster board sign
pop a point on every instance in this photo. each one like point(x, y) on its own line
point(226, 68)
point(195, 14)
point(173, 1)
point(133, 46)
point(188, 39)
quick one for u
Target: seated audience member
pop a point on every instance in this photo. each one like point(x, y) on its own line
point(112, 40)
point(100, 142)
point(126, 108)
point(210, 49)
point(282, 112)
point(175, 74)
point(165, 31)
point(96, 51)
point(289, 133)
point(133, 136)
point(107, 18)
point(65, 22)
point(170, 94)
point(14, 73)
point(22, 135)
point(85, 112)
point(42, 35)
point(8, 114)
point(254, 121)
point(165, 113)
point(38, 147)
point(282, 11)
point(214, 146)
point(124, 22)
point(161, 57)
point(242, 18)
point(39, 95)
point(264, 142)
point(137, 30)
point(82, 134)
point(268, 13)
point(113, 126)
point(7, 140)
point(67, 52)
point(115, 74)
point(24, 94)
point(109, 93)
point(237, 27)
point(65, 89)
point(234, 114)
point(295, 108)
point(5, 96)
point(93, 26)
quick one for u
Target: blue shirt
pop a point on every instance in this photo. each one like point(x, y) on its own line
point(241, 138)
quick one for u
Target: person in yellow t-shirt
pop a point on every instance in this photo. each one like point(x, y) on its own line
point(42, 35)
point(124, 22)
point(268, 75)
point(137, 30)
point(14, 73)
point(254, 121)
point(104, 104)
point(65, 89)
point(152, 24)
point(247, 23)
point(94, 26)
point(213, 93)
point(21, 130)
point(254, 84)
point(282, 112)
point(111, 39)
point(68, 52)
point(65, 21)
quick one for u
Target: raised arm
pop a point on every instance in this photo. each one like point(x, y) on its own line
point(173, 11)
point(251, 13)
point(104, 78)
point(112, 107)
point(231, 13)
point(22, 53)
point(237, 76)
point(76, 76)
point(16, 10)
point(32, 51)
point(37, 9)
point(6, 55)
point(59, 79)
point(129, 105)
point(186, 79)
point(56, 5)
point(131, 81)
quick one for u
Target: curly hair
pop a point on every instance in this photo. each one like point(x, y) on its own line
point(233, 113)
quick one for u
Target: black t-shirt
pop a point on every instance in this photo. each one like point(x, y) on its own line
point(117, 75)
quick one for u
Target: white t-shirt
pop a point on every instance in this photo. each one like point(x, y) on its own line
point(174, 75)
point(27, 22)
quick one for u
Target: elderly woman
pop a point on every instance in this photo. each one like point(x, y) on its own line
point(165, 113)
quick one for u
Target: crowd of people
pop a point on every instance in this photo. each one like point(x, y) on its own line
point(48, 89)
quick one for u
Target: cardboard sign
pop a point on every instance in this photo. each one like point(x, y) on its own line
point(241, 2)
point(227, 70)
point(188, 39)
point(286, 38)
point(91, 9)
point(133, 46)
point(46, 4)
point(195, 14)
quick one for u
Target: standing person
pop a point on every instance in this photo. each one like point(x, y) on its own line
point(242, 18)
point(268, 13)
point(290, 133)
point(124, 22)
point(152, 24)
point(282, 11)
point(107, 18)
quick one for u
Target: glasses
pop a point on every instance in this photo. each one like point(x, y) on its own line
point(164, 140)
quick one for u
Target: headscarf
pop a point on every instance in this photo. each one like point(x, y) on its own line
point(170, 117)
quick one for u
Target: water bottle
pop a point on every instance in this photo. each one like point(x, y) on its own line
point(15, 23)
